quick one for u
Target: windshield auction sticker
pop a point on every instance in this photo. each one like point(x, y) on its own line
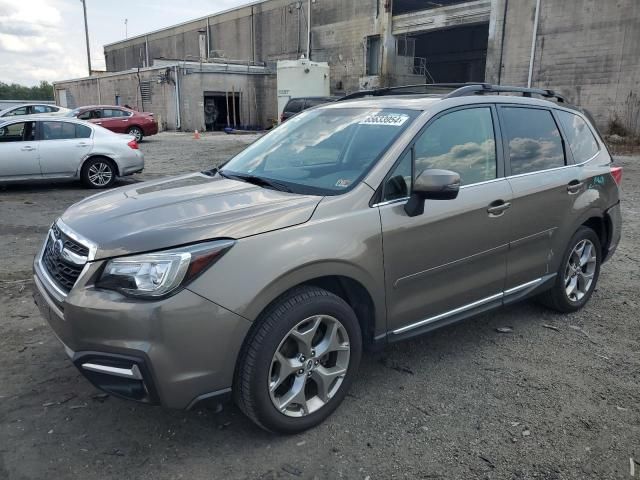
point(390, 119)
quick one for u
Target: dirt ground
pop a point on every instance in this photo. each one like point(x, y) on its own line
point(558, 398)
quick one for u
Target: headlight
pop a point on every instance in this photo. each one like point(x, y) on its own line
point(159, 274)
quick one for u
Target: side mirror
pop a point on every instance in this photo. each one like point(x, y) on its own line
point(432, 184)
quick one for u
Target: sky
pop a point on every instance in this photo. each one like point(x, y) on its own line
point(44, 39)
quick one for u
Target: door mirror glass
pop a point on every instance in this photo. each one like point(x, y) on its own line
point(432, 184)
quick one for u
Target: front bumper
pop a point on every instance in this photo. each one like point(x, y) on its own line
point(172, 352)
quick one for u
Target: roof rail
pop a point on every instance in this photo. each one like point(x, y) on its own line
point(482, 88)
point(459, 90)
point(408, 90)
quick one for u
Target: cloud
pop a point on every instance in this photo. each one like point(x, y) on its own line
point(44, 39)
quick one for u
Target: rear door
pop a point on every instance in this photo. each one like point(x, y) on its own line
point(112, 120)
point(453, 256)
point(541, 175)
point(63, 147)
point(18, 151)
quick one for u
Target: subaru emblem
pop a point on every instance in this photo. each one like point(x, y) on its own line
point(58, 246)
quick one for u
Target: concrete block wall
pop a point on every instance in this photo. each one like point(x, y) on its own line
point(267, 32)
point(585, 49)
point(103, 91)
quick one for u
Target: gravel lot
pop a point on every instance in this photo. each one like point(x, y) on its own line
point(558, 398)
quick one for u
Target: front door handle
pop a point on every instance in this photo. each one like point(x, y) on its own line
point(574, 187)
point(28, 149)
point(497, 208)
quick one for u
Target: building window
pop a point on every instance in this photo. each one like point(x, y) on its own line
point(373, 55)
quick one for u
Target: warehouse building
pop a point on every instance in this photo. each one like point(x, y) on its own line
point(584, 49)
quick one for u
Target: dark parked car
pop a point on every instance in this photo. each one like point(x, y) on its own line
point(296, 105)
point(119, 119)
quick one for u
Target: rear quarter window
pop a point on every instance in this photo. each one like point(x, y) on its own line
point(581, 140)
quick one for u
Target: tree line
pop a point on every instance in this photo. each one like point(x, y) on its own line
point(14, 91)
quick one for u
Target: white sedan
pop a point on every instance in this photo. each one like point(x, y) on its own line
point(52, 148)
point(34, 109)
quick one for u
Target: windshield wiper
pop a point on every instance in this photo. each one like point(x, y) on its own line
point(260, 181)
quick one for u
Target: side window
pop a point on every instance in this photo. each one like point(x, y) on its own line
point(534, 140)
point(463, 142)
point(18, 132)
point(17, 111)
point(85, 115)
point(82, 131)
point(107, 113)
point(58, 130)
point(294, 106)
point(40, 109)
point(581, 140)
point(400, 181)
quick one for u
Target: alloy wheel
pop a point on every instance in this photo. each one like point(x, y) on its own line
point(580, 270)
point(309, 366)
point(100, 174)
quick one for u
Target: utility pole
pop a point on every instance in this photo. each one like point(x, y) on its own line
point(126, 33)
point(308, 29)
point(86, 33)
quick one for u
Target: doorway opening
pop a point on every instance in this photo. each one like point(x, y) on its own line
point(453, 55)
point(219, 109)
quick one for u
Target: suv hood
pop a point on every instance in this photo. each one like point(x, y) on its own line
point(190, 208)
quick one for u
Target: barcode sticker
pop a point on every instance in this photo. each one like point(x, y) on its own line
point(390, 119)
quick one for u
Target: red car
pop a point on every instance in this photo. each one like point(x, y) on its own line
point(119, 119)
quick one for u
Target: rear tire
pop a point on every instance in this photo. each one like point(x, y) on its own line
point(98, 172)
point(136, 132)
point(298, 361)
point(578, 273)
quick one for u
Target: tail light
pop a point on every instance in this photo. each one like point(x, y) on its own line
point(133, 144)
point(616, 173)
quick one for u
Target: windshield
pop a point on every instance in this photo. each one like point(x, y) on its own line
point(325, 151)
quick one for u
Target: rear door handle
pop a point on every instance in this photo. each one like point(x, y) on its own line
point(28, 149)
point(498, 208)
point(574, 187)
point(82, 145)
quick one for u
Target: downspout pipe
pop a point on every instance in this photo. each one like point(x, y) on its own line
point(536, 21)
point(178, 118)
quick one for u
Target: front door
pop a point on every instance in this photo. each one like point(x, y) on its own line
point(453, 256)
point(19, 155)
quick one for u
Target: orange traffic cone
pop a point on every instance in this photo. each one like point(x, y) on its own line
point(196, 135)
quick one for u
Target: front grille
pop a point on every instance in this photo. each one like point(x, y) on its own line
point(62, 271)
point(70, 244)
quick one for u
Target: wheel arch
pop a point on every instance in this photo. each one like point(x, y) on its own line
point(94, 156)
point(352, 290)
point(603, 227)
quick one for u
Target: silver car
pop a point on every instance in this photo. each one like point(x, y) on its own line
point(34, 109)
point(48, 148)
point(354, 224)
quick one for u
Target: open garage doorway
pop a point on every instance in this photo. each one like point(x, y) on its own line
point(219, 110)
point(453, 55)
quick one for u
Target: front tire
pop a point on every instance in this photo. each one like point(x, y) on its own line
point(98, 172)
point(298, 361)
point(578, 274)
